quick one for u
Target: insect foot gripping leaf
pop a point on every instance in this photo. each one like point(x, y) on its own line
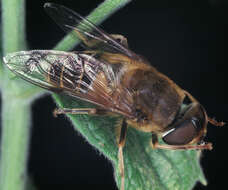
point(145, 168)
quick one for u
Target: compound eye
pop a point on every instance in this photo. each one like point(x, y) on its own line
point(182, 134)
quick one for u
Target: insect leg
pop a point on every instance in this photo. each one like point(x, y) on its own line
point(93, 42)
point(87, 42)
point(120, 38)
point(216, 123)
point(88, 111)
point(156, 145)
point(122, 130)
point(154, 141)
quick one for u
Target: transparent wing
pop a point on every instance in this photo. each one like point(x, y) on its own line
point(75, 74)
point(92, 36)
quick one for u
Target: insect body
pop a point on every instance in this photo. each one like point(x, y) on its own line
point(111, 76)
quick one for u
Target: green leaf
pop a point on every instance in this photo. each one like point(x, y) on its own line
point(145, 168)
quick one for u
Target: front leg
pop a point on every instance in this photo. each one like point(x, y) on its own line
point(121, 139)
point(87, 111)
point(155, 145)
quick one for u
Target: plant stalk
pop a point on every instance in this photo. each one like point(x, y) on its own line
point(15, 111)
point(14, 142)
point(13, 26)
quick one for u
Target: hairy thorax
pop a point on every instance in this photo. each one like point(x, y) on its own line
point(156, 99)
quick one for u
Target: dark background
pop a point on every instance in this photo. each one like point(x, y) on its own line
point(184, 40)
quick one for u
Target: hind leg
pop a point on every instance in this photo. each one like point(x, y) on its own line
point(122, 132)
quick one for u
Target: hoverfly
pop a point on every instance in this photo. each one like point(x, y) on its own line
point(118, 81)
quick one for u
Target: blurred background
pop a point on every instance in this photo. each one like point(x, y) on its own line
point(184, 40)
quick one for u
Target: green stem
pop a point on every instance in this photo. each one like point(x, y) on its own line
point(12, 28)
point(98, 15)
point(1, 67)
point(14, 145)
point(13, 25)
point(1, 72)
point(15, 111)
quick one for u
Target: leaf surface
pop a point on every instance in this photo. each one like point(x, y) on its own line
point(145, 168)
